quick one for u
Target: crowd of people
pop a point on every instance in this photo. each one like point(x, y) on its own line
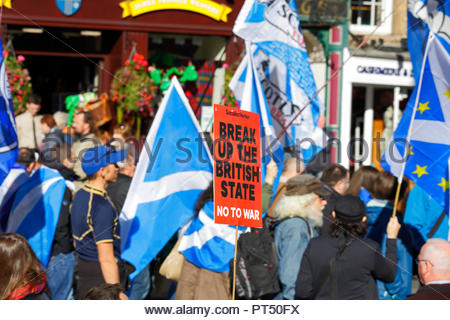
point(334, 234)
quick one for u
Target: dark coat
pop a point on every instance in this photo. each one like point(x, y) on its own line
point(360, 264)
point(117, 191)
point(331, 202)
point(432, 292)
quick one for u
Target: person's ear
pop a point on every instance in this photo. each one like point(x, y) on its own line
point(333, 214)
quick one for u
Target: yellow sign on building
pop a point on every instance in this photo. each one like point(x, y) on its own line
point(6, 3)
point(208, 8)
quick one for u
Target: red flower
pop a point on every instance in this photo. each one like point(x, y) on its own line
point(127, 63)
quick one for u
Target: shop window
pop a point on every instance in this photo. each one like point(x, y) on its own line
point(368, 14)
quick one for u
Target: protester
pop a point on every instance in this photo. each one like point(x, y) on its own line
point(118, 189)
point(85, 128)
point(53, 138)
point(298, 213)
point(342, 264)
point(61, 119)
point(205, 271)
point(379, 210)
point(106, 292)
point(204, 275)
point(60, 256)
point(95, 225)
point(28, 124)
point(123, 139)
point(335, 179)
point(362, 183)
point(434, 271)
point(426, 217)
point(21, 274)
point(291, 168)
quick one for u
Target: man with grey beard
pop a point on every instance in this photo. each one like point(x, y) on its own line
point(298, 213)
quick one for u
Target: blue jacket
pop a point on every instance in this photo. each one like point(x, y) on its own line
point(291, 239)
point(421, 214)
point(378, 214)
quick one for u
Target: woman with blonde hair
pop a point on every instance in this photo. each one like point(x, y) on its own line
point(21, 274)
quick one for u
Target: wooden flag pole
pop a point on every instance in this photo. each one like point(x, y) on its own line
point(234, 263)
point(397, 195)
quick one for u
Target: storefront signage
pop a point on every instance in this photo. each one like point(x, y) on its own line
point(322, 11)
point(208, 8)
point(68, 7)
point(5, 3)
point(399, 72)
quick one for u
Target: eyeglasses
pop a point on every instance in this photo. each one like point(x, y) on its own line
point(419, 260)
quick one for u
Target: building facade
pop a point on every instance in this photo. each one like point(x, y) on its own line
point(75, 45)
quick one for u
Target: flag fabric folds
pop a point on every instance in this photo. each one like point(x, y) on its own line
point(282, 65)
point(208, 245)
point(423, 134)
point(16, 177)
point(35, 210)
point(173, 169)
point(8, 132)
point(425, 16)
point(254, 100)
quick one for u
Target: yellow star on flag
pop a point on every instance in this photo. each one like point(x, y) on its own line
point(444, 184)
point(447, 93)
point(410, 151)
point(420, 171)
point(423, 106)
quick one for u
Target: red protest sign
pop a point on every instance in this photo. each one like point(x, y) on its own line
point(237, 161)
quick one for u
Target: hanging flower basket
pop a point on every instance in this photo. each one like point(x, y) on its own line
point(19, 81)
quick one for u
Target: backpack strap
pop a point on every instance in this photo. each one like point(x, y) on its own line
point(436, 225)
point(343, 244)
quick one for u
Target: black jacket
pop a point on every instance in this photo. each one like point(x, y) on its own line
point(62, 242)
point(117, 191)
point(360, 264)
point(331, 202)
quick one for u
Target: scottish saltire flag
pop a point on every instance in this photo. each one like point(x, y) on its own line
point(174, 168)
point(254, 100)
point(426, 126)
point(13, 181)
point(8, 132)
point(209, 245)
point(35, 210)
point(425, 16)
point(282, 64)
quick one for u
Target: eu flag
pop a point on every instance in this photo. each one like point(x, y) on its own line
point(426, 126)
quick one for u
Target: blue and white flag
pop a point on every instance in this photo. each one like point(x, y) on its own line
point(174, 168)
point(254, 100)
point(423, 134)
point(14, 180)
point(209, 245)
point(283, 68)
point(425, 16)
point(35, 210)
point(8, 131)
